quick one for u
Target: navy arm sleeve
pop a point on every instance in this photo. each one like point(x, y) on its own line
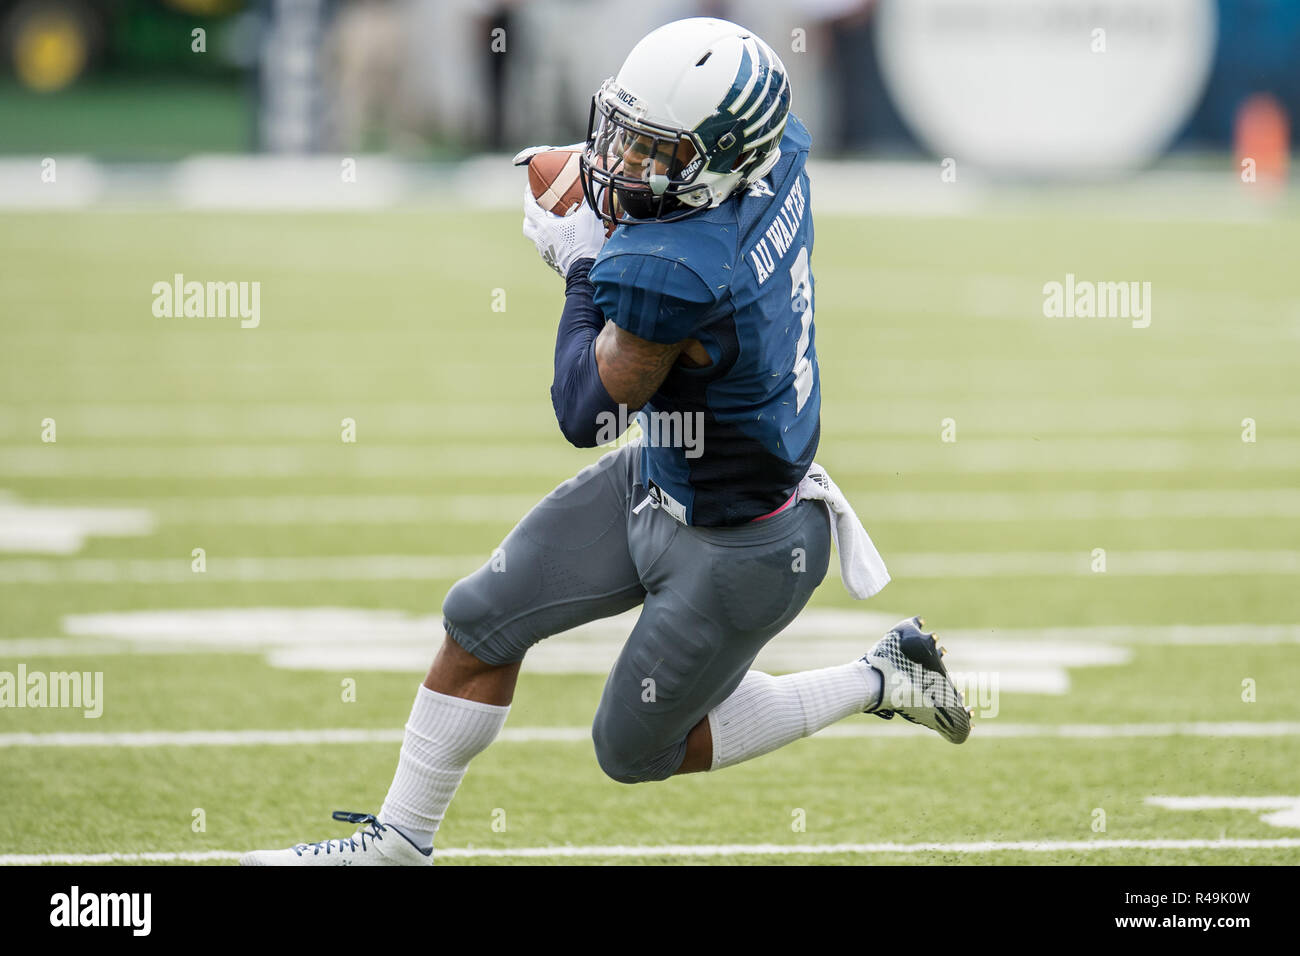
point(577, 393)
point(656, 299)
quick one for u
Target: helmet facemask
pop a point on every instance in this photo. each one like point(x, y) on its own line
point(650, 168)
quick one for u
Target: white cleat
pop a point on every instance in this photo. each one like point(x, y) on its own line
point(916, 684)
point(373, 845)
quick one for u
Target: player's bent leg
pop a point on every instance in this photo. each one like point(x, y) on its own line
point(451, 722)
point(715, 597)
point(458, 711)
point(646, 711)
point(766, 713)
point(564, 564)
point(699, 749)
point(902, 674)
point(458, 673)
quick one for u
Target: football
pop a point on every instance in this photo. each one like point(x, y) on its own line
point(553, 176)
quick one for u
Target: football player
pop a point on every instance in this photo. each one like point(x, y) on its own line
point(697, 313)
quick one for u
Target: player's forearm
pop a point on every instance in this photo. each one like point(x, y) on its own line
point(577, 393)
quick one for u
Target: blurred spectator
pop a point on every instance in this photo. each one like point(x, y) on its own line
point(365, 78)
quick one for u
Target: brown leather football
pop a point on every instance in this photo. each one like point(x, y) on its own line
point(553, 176)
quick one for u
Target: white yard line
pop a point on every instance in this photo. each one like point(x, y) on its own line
point(705, 850)
point(1066, 563)
point(357, 509)
point(370, 567)
point(422, 567)
point(236, 422)
point(1206, 635)
point(991, 728)
point(536, 458)
point(860, 729)
point(1002, 416)
point(204, 738)
point(911, 506)
point(60, 529)
point(1077, 505)
point(541, 457)
point(817, 633)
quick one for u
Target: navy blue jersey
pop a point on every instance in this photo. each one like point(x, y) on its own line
point(738, 279)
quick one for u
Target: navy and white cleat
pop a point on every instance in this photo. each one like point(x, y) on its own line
point(373, 845)
point(916, 684)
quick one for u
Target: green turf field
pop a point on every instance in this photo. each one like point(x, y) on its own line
point(1170, 673)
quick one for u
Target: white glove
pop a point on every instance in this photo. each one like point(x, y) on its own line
point(523, 157)
point(562, 240)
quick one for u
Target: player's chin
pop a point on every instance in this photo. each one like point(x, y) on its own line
point(635, 203)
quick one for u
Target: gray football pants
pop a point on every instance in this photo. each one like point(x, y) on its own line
point(712, 597)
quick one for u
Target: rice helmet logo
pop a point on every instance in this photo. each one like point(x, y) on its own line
point(626, 97)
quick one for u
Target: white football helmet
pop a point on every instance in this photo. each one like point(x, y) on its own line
point(695, 114)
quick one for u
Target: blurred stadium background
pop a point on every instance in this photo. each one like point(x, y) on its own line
point(1008, 86)
point(1102, 520)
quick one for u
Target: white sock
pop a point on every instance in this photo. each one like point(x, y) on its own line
point(442, 735)
point(767, 712)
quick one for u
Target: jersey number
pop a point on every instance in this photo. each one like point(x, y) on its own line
point(801, 302)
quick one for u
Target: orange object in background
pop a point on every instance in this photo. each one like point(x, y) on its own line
point(1262, 137)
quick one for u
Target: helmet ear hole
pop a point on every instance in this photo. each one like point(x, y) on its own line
point(742, 159)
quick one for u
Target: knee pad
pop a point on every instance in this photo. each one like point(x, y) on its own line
point(465, 616)
point(625, 761)
point(465, 603)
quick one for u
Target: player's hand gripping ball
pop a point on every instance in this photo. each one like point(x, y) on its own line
point(556, 215)
point(553, 176)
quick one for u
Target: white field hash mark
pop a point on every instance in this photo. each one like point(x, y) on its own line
point(1285, 811)
point(59, 529)
point(351, 639)
point(346, 735)
point(1024, 660)
point(706, 850)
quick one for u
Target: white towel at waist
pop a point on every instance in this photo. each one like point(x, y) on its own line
point(861, 567)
